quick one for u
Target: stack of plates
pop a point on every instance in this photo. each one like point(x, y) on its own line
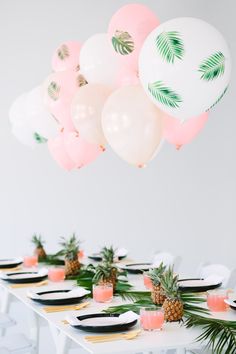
point(10, 262)
point(100, 322)
point(59, 296)
point(136, 268)
point(198, 285)
point(25, 277)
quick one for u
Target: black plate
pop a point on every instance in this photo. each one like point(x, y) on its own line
point(25, 280)
point(233, 307)
point(98, 258)
point(102, 329)
point(197, 289)
point(67, 301)
point(136, 271)
point(10, 265)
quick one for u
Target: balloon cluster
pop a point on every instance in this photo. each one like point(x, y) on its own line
point(133, 87)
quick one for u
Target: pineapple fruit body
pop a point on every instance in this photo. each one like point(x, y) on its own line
point(157, 295)
point(112, 279)
point(72, 266)
point(173, 309)
point(40, 252)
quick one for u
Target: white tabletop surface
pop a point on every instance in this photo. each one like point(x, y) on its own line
point(173, 335)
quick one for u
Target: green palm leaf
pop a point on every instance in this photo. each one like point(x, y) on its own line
point(212, 67)
point(53, 90)
point(39, 138)
point(218, 99)
point(164, 95)
point(170, 46)
point(63, 52)
point(219, 335)
point(122, 43)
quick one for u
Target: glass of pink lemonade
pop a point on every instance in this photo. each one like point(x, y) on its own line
point(151, 318)
point(30, 261)
point(103, 293)
point(215, 300)
point(147, 281)
point(56, 274)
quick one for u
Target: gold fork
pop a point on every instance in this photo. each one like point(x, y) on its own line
point(113, 337)
point(26, 285)
point(50, 309)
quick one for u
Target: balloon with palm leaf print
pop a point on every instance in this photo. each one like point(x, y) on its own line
point(184, 67)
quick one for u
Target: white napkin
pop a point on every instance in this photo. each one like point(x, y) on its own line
point(43, 271)
point(213, 279)
point(121, 252)
point(128, 316)
point(77, 292)
point(164, 257)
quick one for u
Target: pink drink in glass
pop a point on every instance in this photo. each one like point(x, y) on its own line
point(30, 261)
point(215, 300)
point(147, 281)
point(103, 293)
point(151, 319)
point(56, 274)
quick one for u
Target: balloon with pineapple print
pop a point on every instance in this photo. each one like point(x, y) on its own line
point(184, 67)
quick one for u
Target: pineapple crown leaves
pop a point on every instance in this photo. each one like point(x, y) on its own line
point(156, 274)
point(70, 247)
point(169, 283)
point(108, 254)
point(123, 42)
point(164, 94)
point(212, 67)
point(103, 271)
point(37, 241)
point(170, 46)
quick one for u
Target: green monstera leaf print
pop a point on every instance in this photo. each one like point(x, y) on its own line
point(123, 43)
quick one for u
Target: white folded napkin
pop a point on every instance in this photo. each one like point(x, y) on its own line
point(43, 271)
point(214, 279)
point(77, 292)
point(128, 316)
point(121, 252)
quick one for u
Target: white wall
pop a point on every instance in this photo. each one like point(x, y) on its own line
point(183, 201)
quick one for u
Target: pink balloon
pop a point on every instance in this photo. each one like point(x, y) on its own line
point(178, 133)
point(58, 152)
point(58, 90)
point(79, 150)
point(66, 56)
point(131, 24)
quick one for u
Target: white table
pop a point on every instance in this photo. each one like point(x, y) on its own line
point(173, 336)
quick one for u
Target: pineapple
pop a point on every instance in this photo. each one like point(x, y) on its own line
point(173, 306)
point(38, 243)
point(70, 251)
point(108, 254)
point(105, 273)
point(157, 293)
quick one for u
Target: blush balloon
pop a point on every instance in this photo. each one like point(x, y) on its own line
point(58, 152)
point(181, 133)
point(80, 151)
point(66, 56)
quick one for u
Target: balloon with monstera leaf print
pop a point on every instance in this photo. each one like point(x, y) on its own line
point(184, 67)
point(66, 56)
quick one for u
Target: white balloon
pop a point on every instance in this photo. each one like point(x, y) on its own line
point(21, 125)
point(132, 125)
point(98, 61)
point(184, 67)
point(40, 119)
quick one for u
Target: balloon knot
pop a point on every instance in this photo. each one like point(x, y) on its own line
point(102, 148)
point(141, 165)
point(178, 147)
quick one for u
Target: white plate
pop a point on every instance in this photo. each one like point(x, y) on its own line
point(231, 303)
point(10, 261)
point(196, 283)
